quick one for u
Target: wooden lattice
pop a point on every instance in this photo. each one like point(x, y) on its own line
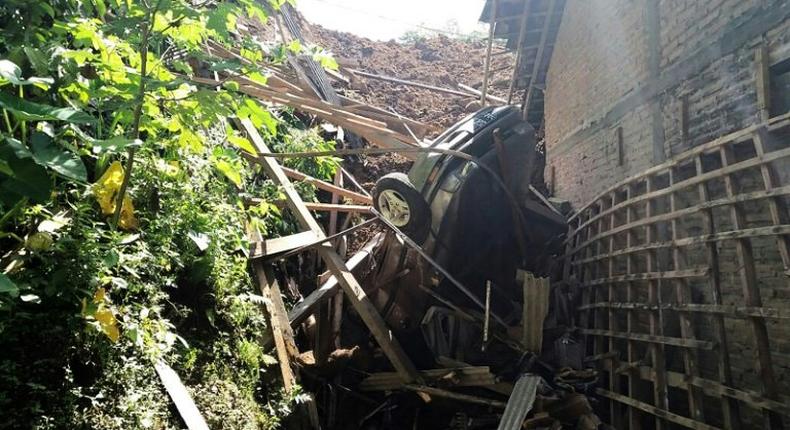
point(648, 256)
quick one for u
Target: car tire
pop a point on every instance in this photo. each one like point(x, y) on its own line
point(401, 204)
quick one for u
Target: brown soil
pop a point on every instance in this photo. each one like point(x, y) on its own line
point(440, 61)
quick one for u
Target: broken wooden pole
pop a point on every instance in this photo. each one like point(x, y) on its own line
point(326, 186)
point(479, 93)
point(356, 294)
point(303, 309)
point(455, 396)
point(410, 83)
point(178, 393)
point(487, 67)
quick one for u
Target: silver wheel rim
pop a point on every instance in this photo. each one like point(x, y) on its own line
point(394, 207)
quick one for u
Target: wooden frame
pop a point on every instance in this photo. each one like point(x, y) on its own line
point(632, 253)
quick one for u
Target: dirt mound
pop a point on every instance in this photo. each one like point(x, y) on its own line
point(440, 61)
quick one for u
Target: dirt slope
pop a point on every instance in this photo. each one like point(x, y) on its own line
point(439, 61)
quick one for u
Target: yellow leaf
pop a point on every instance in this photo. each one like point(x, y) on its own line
point(108, 324)
point(106, 191)
point(99, 295)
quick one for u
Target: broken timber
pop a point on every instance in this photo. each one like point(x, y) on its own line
point(357, 296)
point(181, 398)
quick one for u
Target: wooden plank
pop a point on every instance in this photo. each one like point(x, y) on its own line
point(723, 172)
point(773, 193)
point(652, 339)
point(714, 389)
point(489, 46)
point(728, 311)
point(634, 414)
point(774, 123)
point(326, 186)
point(661, 413)
point(746, 233)
point(277, 245)
point(455, 396)
point(614, 384)
point(778, 210)
point(356, 295)
point(751, 294)
point(283, 336)
point(683, 296)
point(331, 286)
point(470, 376)
point(328, 207)
point(730, 408)
point(181, 398)
point(544, 35)
point(519, 50)
point(649, 276)
point(657, 354)
point(536, 307)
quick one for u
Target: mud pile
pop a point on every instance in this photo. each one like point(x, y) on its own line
point(440, 61)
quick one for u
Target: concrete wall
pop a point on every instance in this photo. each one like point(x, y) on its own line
point(624, 69)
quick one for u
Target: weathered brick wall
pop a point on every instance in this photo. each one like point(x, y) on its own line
point(602, 79)
point(599, 79)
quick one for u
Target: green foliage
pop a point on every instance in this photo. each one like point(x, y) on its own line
point(86, 307)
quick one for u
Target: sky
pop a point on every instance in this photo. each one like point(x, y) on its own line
point(390, 19)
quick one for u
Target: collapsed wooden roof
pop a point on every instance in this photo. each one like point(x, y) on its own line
point(530, 28)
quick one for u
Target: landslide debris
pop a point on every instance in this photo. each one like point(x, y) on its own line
point(438, 60)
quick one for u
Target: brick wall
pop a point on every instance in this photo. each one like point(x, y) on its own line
point(601, 80)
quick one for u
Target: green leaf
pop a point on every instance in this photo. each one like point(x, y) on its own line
point(229, 171)
point(30, 111)
point(66, 163)
point(7, 286)
point(242, 143)
point(29, 179)
point(12, 73)
point(258, 115)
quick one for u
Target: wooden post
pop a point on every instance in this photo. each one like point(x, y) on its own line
point(634, 421)
point(683, 297)
point(751, 293)
point(356, 295)
point(730, 409)
point(654, 299)
point(614, 385)
point(519, 51)
point(538, 58)
point(487, 67)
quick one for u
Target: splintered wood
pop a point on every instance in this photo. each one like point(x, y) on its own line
point(536, 307)
point(335, 264)
point(648, 256)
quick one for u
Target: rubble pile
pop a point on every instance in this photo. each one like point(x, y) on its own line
point(441, 61)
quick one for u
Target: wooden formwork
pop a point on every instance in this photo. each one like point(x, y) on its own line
point(648, 255)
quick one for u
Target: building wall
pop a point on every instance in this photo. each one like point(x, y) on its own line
point(600, 79)
point(621, 77)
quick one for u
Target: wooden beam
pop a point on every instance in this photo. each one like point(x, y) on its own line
point(751, 293)
point(178, 393)
point(330, 287)
point(470, 376)
point(356, 295)
point(653, 339)
point(489, 45)
point(538, 61)
point(399, 81)
point(281, 244)
point(455, 396)
point(658, 412)
point(326, 186)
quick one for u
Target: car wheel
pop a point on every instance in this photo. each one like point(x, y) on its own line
point(401, 204)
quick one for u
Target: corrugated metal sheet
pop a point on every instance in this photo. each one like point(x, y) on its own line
point(520, 402)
